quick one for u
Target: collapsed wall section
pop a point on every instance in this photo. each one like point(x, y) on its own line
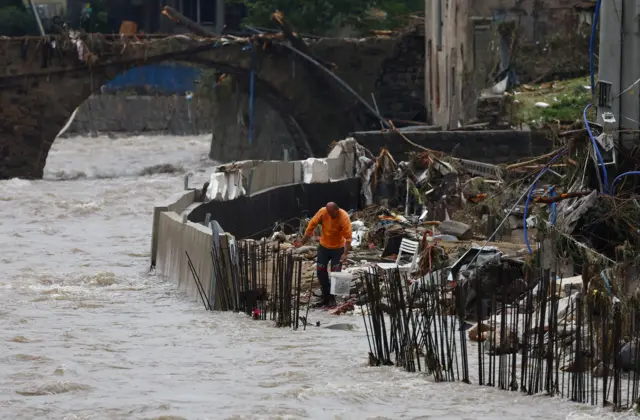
point(247, 199)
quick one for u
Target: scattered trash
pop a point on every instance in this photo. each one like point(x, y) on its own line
point(341, 283)
point(422, 215)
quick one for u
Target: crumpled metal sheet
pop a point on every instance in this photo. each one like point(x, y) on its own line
point(571, 211)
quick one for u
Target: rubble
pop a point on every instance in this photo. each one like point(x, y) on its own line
point(554, 281)
point(485, 235)
point(537, 259)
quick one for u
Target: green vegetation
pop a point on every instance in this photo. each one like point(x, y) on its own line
point(15, 20)
point(98, 19)
point(566, 99)
point(19, 4)
point(325, 17)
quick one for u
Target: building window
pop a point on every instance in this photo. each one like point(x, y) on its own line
point(208, 11)
point(439, 24)
point(200, 11)
point(455, 19)
point(453, 72)
point(453, 80)
point(190, 9)
point(437, 84)
point(430, 64)
point(447, 98)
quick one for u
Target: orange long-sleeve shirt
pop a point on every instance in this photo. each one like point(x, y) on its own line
point(335, 232)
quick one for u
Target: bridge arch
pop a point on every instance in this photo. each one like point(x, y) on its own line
point(44, 98)
point(41, 98)
point(224, 106)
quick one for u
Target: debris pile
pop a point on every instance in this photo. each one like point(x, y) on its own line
point(535, 262)
point(477, 225)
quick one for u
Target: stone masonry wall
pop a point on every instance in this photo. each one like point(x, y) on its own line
point(549, 37)
point(389, 67)
point(400, 87)
point(536, 19)
point(139, 114)
point(230, 136)
point(494, 147)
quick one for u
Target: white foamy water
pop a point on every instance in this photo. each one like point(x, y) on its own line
point(88, 334)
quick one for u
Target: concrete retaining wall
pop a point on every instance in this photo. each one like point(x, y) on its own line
point(175, 204)
point(258, 176)
point(276, 191)
point(176, 237)
point(255, 216)
point(138, 114)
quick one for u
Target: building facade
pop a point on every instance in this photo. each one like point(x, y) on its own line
point(449, 59)
point(49, 8)
point(215, 15)
point(461, 41)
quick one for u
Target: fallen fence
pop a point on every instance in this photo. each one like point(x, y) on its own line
point(537, 336)
point(254, 278)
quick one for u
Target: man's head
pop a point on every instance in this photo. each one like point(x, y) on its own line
point(332, 209)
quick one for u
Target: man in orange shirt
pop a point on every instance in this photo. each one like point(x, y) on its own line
point(335, 243)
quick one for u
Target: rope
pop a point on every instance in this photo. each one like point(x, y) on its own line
point(613, 184)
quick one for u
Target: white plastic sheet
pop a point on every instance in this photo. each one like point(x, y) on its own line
point(225, 186)
point(364, 169)
point(315, 171)
point(358, 230)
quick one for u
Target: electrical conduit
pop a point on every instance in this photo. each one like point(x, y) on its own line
point(622, 176)
point(605, 177)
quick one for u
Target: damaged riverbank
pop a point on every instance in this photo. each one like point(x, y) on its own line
point(456, 257)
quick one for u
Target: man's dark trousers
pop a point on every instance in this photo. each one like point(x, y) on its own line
point(326, 255)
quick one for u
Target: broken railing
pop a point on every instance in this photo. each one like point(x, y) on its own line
point(249, 276)
point(539, 336)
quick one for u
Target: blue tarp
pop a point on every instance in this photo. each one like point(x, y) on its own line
point(163, 77)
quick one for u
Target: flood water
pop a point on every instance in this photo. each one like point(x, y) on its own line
point(87, 333)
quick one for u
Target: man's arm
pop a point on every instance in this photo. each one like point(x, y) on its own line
point(313, 224)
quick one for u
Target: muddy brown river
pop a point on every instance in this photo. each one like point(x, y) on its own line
point(88, 333)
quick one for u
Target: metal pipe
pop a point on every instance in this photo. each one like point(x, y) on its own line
point(180, 19)
point(220, 17)
point(37, 17)
point(335, 77)
point(341, 82)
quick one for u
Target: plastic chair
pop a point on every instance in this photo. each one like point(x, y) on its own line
point(407, 246)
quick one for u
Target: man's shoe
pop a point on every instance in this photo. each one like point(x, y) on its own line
point(331, 302)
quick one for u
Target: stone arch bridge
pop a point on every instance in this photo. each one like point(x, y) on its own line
point(41, 85)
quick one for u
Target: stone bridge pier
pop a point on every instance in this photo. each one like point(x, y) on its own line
point(41, 86)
